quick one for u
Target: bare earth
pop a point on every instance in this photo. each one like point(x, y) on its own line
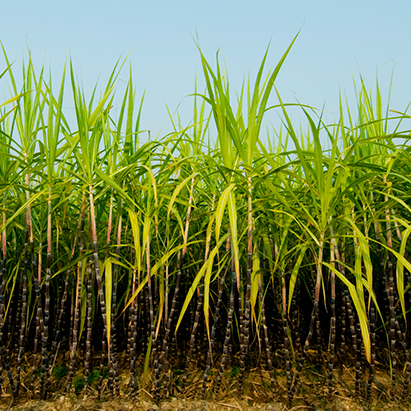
point(312, 394)
point(63, 403)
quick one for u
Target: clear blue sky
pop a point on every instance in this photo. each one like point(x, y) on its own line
point(338, 40)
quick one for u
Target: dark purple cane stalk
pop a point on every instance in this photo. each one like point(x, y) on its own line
point(87, 356)
point(164, 348)
point(390, 290)
point(77, 301)
point(197, 314)
point(393, 336)
point(286, 339)
point(22, 335)
point(358, 362)
point(388, 285)
point(99, 287)
point(245, 338)
point(343, 324)
point(228, 326)
point(333, 334)
point(303, 355)
point(180, 263)
point(4, 360)
point(36, 283)
point(402, 336)
point(145, 323)
point(133, 332)
point(294, 320)
point(319, 336)
point(152, 325)
point(2, 311)
point(19, 332)
point(37, 331)
point(114, 306)
point(241, 307)
point(351, 322)
point(111, 359)
point(89, 308)
point(317, 291)
point(58, 328)
point(350, 314)
point(265, 331)
point(213, 331)
point(333, 321)
point(354, 339)
point(45, 357)
point(215, 323)
point(372, 362)
point(23, 315)
point(398, 333)
point(73, 350)
point(406, 390)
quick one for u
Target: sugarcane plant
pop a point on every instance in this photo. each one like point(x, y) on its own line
point(212, 253)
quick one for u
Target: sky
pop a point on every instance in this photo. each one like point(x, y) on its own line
point(337, 41)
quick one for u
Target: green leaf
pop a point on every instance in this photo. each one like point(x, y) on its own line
point(359, 306)
point(294, 274)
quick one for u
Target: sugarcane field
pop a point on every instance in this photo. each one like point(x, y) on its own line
point(223, 264)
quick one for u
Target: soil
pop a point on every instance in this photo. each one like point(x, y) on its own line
point(312, 395)
point(70, 403)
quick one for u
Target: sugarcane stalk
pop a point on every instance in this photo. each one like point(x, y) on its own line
point(350, 314)
point(391, 290)
point(28, 237)
point(100, 288)
point(265, 331)
point(247, 302)
point(319, 336)
point(343, 324)
point(133, 337)
point(333, 320)
point(58, 327)
point(22, 334)
point(286, 339)
point(215, 323)
point(87, 356)
point(77, 301)
point(358, 367)
point(114, 305)
point(213, 332)
point(111, 359)
point(197, 313)
point(37, 331)
point(402, 336)
point(180, 263)
point(152, 325)
point(372, 362)
point(4, 360)
point(317, 291)
point(164, 347)
point(45, 357)
point(228, 326)
point(295, 320)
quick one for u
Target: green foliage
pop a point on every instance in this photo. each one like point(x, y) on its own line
point(279, 206)
point(78, 384)
point(94, 376)
point(60, 371)
point(234, 372)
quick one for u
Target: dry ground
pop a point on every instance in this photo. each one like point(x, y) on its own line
point(70, 403)
point(311, 395)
